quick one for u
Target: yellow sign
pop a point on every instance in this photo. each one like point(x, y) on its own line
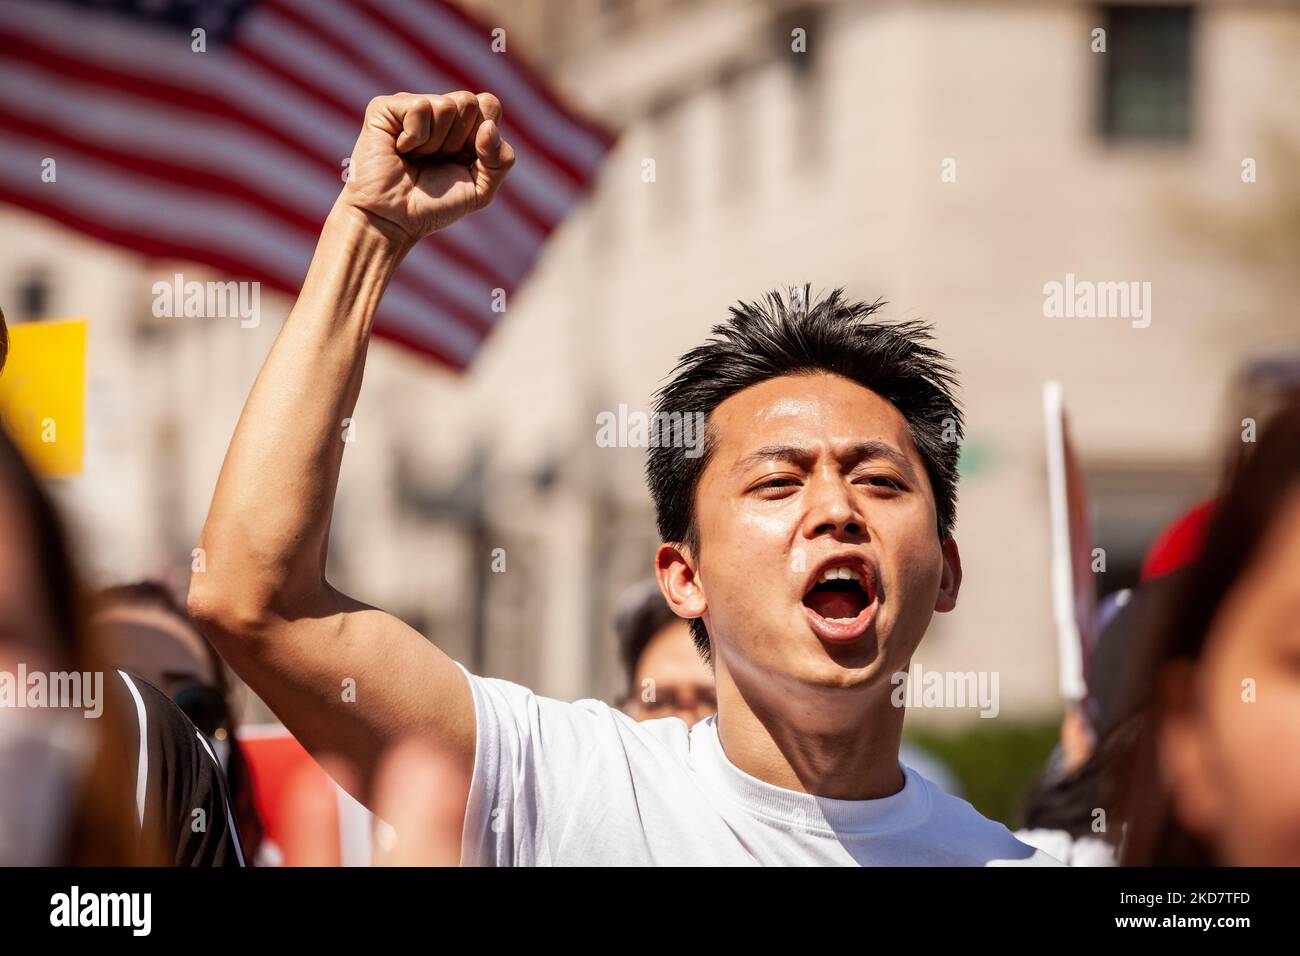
point(43, 394)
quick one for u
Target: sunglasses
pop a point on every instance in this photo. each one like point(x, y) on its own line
point(205, 707)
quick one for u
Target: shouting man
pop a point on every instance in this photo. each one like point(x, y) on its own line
point(808, 545)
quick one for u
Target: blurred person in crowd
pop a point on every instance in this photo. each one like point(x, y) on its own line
point(418, 809)
point(51, 785)
point(666, 677)
point(1066, 813)
point(1209, 770)
point(114, 777)
point(807, 539)
point(55, 765)
point(143, 630)
point(1258, 390)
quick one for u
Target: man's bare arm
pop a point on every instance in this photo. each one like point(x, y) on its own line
point(421, 163)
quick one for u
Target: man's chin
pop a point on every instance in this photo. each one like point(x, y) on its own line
point(854, 665)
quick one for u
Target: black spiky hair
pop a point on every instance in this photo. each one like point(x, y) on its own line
point(773, 337)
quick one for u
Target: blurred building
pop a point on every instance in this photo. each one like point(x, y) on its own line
point(951, 157)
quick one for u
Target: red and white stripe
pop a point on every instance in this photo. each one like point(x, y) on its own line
point(232, 157)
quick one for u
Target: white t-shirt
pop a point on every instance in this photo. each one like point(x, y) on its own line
point(583, 784)
point(1081, 851)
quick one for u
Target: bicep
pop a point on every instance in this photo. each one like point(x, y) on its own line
point(349, 681)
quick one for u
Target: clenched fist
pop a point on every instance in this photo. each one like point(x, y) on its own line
point(425, 160)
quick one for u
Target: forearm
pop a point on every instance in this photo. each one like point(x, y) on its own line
point(267, 527)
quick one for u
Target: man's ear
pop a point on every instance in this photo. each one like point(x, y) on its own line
point(679, 582)
point(950, 583)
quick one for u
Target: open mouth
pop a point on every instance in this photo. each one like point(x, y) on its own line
point(842, 600)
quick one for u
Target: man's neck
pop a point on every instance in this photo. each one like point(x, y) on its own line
point(843, 747)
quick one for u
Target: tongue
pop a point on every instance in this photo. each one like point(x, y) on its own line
point(835, 603)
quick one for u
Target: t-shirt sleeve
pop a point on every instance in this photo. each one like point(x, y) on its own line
point(532, 755)
point(185, 790)
point(207, 790)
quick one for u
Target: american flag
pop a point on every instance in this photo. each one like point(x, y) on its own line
point(231, 157)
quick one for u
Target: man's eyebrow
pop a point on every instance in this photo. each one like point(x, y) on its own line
point(867, 450)
point(854, 455)
point(791, 453)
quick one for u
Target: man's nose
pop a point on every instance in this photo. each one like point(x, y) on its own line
point(832, 509)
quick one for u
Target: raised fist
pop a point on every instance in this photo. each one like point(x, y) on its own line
point(425, 160)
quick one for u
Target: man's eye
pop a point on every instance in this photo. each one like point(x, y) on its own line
point(778, 483)
point(883, 481)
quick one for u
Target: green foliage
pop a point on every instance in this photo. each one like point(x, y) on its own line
point(995, 761)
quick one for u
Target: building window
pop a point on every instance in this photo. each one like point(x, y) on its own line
point(668, 148)
point(733, 163)
point(33, 297)
point(1147, 73)
point(800, 35)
